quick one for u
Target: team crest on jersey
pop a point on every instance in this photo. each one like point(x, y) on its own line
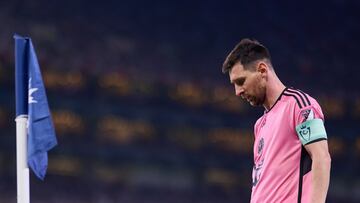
point(261, 145)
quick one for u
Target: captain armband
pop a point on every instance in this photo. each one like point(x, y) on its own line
point(311, 131)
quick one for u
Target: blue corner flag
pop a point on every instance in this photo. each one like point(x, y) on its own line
point(31, 100)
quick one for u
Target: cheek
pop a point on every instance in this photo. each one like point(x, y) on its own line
point(260, 87)
point(256, 84)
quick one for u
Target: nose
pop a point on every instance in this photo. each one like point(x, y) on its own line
point(239, 91)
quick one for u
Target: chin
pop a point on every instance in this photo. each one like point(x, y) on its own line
point(255, 103)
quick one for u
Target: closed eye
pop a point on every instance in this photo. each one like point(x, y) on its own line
point(239, 81)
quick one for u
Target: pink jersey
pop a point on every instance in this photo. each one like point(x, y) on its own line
point(282, 167)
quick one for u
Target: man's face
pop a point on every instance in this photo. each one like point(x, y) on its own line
point(249, 84)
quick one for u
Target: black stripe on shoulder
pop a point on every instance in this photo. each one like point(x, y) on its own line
point(297, 100)
point(297, 93)
point(306, 97)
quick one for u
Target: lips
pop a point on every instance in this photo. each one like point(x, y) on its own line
point(249, 99)
point(246, 97)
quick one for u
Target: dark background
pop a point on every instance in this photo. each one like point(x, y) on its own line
point(142, 110)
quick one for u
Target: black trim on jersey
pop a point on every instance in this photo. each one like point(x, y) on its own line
point(307, 99)
point(297, 100)
point(301, 97)
point(306, 162)
point(317, 140)
point(300, 176)
point(305, 167)
point(277, 100)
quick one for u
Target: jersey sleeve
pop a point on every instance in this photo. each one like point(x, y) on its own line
point(309, 122)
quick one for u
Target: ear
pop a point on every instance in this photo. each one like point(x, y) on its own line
point(263, 69)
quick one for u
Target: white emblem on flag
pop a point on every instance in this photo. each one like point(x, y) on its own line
point(31, 91)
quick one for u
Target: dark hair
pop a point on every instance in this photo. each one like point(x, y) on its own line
point(245, 52)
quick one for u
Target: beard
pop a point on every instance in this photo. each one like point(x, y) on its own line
point(257, 100)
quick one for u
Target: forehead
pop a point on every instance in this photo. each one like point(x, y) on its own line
point(237, 71)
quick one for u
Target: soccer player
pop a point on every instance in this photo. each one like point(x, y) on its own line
point(291, 157)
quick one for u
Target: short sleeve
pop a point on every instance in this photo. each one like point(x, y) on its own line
point(310, 123)
point(312, 111)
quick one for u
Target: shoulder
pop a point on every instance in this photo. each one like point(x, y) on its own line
point(298, 98)
point(302, 104)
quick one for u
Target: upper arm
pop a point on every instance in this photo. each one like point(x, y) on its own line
point(318, 150)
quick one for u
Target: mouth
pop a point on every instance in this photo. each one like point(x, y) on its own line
point(247, 98)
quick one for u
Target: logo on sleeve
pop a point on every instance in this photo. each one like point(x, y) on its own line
point(307, 114)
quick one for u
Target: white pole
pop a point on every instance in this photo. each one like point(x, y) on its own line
point(23, 182)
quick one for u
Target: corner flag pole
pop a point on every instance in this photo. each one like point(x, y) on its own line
point(21, 96)
point(22, 169)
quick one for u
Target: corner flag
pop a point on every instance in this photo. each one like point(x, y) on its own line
point(31, 101)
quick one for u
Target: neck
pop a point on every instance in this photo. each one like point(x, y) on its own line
point(273, 91)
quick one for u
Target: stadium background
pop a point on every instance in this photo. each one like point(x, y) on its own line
point(142, 110)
